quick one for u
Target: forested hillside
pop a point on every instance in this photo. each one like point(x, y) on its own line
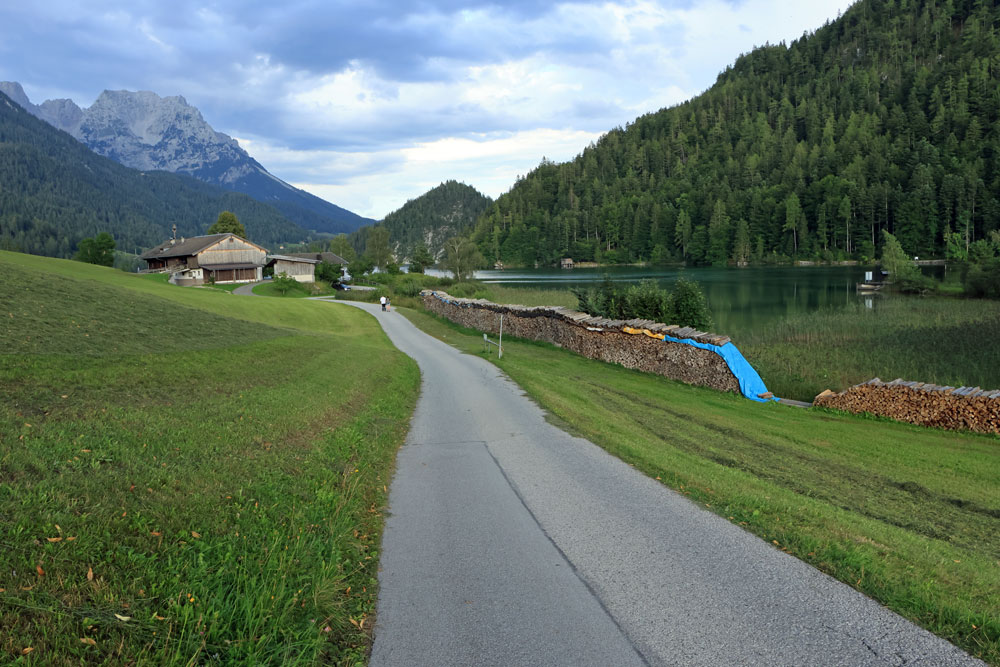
point(55, 191)
point(886, 118)
point(450, 209)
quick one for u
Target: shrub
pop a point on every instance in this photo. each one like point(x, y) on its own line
point(684, 305)
point(408, 287)
point(983, 280)
point(284, 282)
point(688, 305)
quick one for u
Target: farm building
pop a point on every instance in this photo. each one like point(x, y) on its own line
point(302, 269)
point(220, 258)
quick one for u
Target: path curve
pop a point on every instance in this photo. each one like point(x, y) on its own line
point(510, 542)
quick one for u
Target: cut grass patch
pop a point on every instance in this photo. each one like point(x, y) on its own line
point(908, 516)
point(200, 483)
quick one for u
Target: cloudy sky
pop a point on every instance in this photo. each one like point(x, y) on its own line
point(370, 103)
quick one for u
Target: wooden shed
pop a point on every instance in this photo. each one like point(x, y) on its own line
point(566, 263)
point(302, 269)
point(220, 258)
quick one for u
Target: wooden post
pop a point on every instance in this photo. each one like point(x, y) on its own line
point(500, 353)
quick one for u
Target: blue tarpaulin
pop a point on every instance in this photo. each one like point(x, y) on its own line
point(751, 385)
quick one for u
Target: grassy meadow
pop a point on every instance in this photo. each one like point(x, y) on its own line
point(908, 516)
point(188, 476)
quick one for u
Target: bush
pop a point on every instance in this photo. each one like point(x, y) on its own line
point(685, 305)
point(328, 272)
point(409, 287)
point(983, 280)
point(283, 283)
point(688, 305)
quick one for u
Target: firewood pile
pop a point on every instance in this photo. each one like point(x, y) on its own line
point(954, 408)
point(637, 344)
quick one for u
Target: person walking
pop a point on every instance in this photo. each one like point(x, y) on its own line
point(388, 304)
point(384, 301)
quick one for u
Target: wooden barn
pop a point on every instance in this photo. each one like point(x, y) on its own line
point(301, 268)
point(220, 258)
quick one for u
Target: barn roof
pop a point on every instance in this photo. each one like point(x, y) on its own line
point(186, 247)
point(293, 258)
point(327, 256)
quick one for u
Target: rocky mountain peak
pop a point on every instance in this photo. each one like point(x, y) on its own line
point(144, 131)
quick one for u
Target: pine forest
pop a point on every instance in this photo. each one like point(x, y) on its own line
point(885, 119)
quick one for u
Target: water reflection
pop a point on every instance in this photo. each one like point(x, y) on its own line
point(741, 300)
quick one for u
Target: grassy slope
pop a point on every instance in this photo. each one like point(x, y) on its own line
point(186, 474)
point(908, 516)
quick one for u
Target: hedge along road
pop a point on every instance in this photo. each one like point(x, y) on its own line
point(510, 542)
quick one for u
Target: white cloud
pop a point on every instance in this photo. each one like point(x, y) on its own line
point(371, 107)
point(376, 183)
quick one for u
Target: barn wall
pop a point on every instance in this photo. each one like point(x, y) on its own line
point(304, 272)
point(232, 251)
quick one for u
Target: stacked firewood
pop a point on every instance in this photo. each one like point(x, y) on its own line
point(639, 344)
point(955, 408)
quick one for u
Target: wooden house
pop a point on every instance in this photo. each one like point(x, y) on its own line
point(566, 263)
point(220, 258)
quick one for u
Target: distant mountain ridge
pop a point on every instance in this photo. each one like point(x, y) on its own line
point(448, 210)
point(145, 131)
point(55, 191)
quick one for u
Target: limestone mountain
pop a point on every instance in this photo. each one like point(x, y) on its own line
point(145, 131)
point(55, 191)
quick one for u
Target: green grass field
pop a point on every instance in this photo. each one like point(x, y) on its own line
point(186, 476)
point(909, 516)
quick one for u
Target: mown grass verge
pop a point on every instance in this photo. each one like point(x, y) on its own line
point(188, 477)
point(908, 516)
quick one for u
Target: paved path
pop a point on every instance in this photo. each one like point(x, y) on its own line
point(246, 290)
point(509, 542)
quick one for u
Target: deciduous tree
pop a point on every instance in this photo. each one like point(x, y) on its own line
point(228, 223)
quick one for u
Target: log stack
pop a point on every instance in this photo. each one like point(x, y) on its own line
point(953, 408)
point(637, 344)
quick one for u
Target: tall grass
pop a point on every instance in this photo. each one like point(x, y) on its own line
point(944, 341)
point(189, 477)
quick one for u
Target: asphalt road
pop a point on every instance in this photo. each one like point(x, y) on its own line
point(510, 542)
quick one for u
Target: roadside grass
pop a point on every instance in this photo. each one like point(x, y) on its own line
point(946, 341)
point(906, 515)
point(188, 477)
point(299, 291)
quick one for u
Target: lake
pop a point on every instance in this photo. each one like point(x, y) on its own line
point(741, 300)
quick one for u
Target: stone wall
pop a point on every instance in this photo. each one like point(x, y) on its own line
point(961, 408)
point(598, 338)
